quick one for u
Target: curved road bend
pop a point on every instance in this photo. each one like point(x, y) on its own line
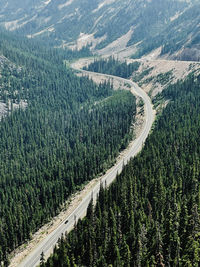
point(49, 242)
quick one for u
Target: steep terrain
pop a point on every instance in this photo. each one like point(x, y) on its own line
point(59, 131)
point(150, 216)
point(140, 25)
point(65, 132)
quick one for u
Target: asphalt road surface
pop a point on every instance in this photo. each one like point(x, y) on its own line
point(46, 246)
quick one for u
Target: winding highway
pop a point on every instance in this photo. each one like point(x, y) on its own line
point(46, 246)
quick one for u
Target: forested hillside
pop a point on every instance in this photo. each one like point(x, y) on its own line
point(113, 66)
point(68, 131)
point(151, 215)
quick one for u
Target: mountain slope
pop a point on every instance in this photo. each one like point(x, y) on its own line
point(151, 215)
point(65, 131)
point(185, 45)
point(179, 39)
point(75, 23)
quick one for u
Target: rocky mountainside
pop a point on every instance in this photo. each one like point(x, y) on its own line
point(109, 25)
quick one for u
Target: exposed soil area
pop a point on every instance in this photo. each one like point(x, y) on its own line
point(155, 75)
point(118, 45)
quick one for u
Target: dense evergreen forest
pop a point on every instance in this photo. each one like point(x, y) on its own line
point(68, 131)
point(113, 66)
point(150, 216)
